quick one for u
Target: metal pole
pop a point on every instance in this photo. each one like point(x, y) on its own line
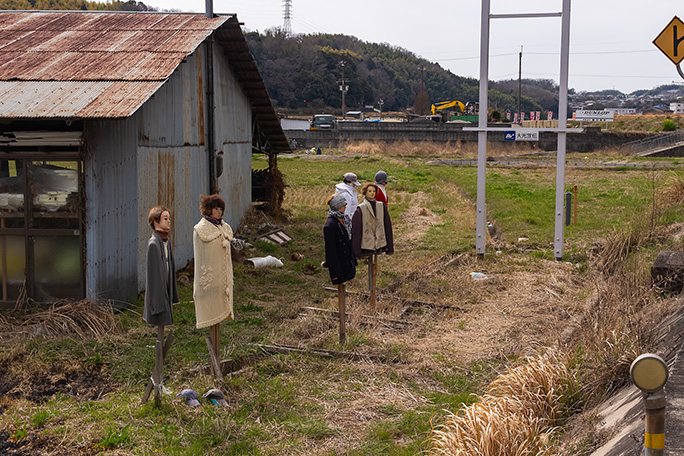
point(575, 202)
point(520, 82)
point(654, 437)
point(481, 223)
point(562, 125)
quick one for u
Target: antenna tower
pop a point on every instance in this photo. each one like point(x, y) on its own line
point(287, 7)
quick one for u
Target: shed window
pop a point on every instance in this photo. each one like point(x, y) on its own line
point(41, 247)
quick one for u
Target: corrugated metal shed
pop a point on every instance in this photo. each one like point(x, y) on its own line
point(68, 64)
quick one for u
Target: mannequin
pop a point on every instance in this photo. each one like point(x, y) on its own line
point(347, 188)
point(381, 181)
point(339, 256)
point(213, 285)
point(371, 233)
point(161, 291)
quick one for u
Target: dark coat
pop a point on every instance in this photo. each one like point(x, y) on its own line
point(160, 284)
point(338, 251)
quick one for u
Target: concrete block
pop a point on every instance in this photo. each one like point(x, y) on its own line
point(667, 271)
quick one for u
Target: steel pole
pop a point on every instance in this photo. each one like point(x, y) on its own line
point(481, 222)
point(654, 437)
point(562, 125)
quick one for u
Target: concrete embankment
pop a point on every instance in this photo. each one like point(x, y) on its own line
point(589, 140)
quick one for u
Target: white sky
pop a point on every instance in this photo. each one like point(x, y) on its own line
point(611, 41)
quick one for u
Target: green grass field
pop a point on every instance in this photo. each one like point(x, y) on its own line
point(75, 396)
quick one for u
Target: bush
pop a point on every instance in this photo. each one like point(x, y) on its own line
point(669, 125)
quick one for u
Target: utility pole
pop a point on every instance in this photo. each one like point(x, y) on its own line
point(287, 25)
point(519, 83)
point(344, 87)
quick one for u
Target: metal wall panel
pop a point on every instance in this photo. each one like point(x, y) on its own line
point(233, 140)
point(172, 156)
point(111, 176)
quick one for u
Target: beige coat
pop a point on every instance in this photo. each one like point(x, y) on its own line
point(213, 287)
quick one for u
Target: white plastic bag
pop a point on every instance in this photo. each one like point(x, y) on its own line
point(263, 262)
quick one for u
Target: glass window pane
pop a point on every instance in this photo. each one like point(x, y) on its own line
point(57, 268)
point(11, 194)
point(55, 197)
point(12, 266)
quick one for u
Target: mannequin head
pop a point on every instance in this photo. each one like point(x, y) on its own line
point(369, 190)
point(336, 202)
point(211, 205)
point(159, 218)
point(381, 178)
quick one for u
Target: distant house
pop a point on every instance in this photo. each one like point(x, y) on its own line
point(677, 108)
point(105, 115)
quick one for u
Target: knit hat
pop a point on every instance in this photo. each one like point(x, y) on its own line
point(381, 177)
point(337, 202)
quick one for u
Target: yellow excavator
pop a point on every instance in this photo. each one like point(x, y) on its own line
point(446, 105)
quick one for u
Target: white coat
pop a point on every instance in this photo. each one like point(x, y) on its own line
point(350, 195)
point(213, 286)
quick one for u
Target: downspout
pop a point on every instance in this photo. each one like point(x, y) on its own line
point(209, 46)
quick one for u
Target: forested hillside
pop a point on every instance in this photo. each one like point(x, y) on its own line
point(302, 73)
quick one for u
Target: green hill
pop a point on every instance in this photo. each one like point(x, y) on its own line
point(303, 73)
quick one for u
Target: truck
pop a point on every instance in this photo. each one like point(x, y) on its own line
point(323, 122)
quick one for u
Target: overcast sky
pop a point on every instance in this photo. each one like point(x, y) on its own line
point(611, 41)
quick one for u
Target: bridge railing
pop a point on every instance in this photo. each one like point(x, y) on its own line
point(654, 142)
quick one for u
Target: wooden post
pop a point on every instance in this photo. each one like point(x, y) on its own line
point(216, 340)
point(343, 316)
point(372, 276)
point(215, 366)
point(158, 363)
point(215, 350)
point(150, 383)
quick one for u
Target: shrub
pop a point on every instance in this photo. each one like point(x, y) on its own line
point(669, 125)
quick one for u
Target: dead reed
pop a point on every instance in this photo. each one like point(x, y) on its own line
point(81, 319)
point(517, 416)
point(673, 193)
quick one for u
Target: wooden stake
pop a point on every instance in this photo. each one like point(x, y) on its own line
point(150, 383)
point(216, 340)
point(341, 295)
point(214, 359)
point(158, 363)
point(374, 282)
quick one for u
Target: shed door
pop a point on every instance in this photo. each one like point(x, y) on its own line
point(41, 247)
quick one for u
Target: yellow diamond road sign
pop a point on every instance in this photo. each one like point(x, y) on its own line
point(671, 39)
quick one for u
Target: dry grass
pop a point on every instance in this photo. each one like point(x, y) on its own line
point(457, 149)
point(80, 319)
point(517, 416)
point(673, 194)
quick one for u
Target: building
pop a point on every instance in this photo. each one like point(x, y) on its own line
point(105, 115)
point(677, 108)
point(621, 111)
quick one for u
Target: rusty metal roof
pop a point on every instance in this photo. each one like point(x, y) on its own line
point(82, 64)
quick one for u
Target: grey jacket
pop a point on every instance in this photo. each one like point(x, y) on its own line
point(160, 283)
